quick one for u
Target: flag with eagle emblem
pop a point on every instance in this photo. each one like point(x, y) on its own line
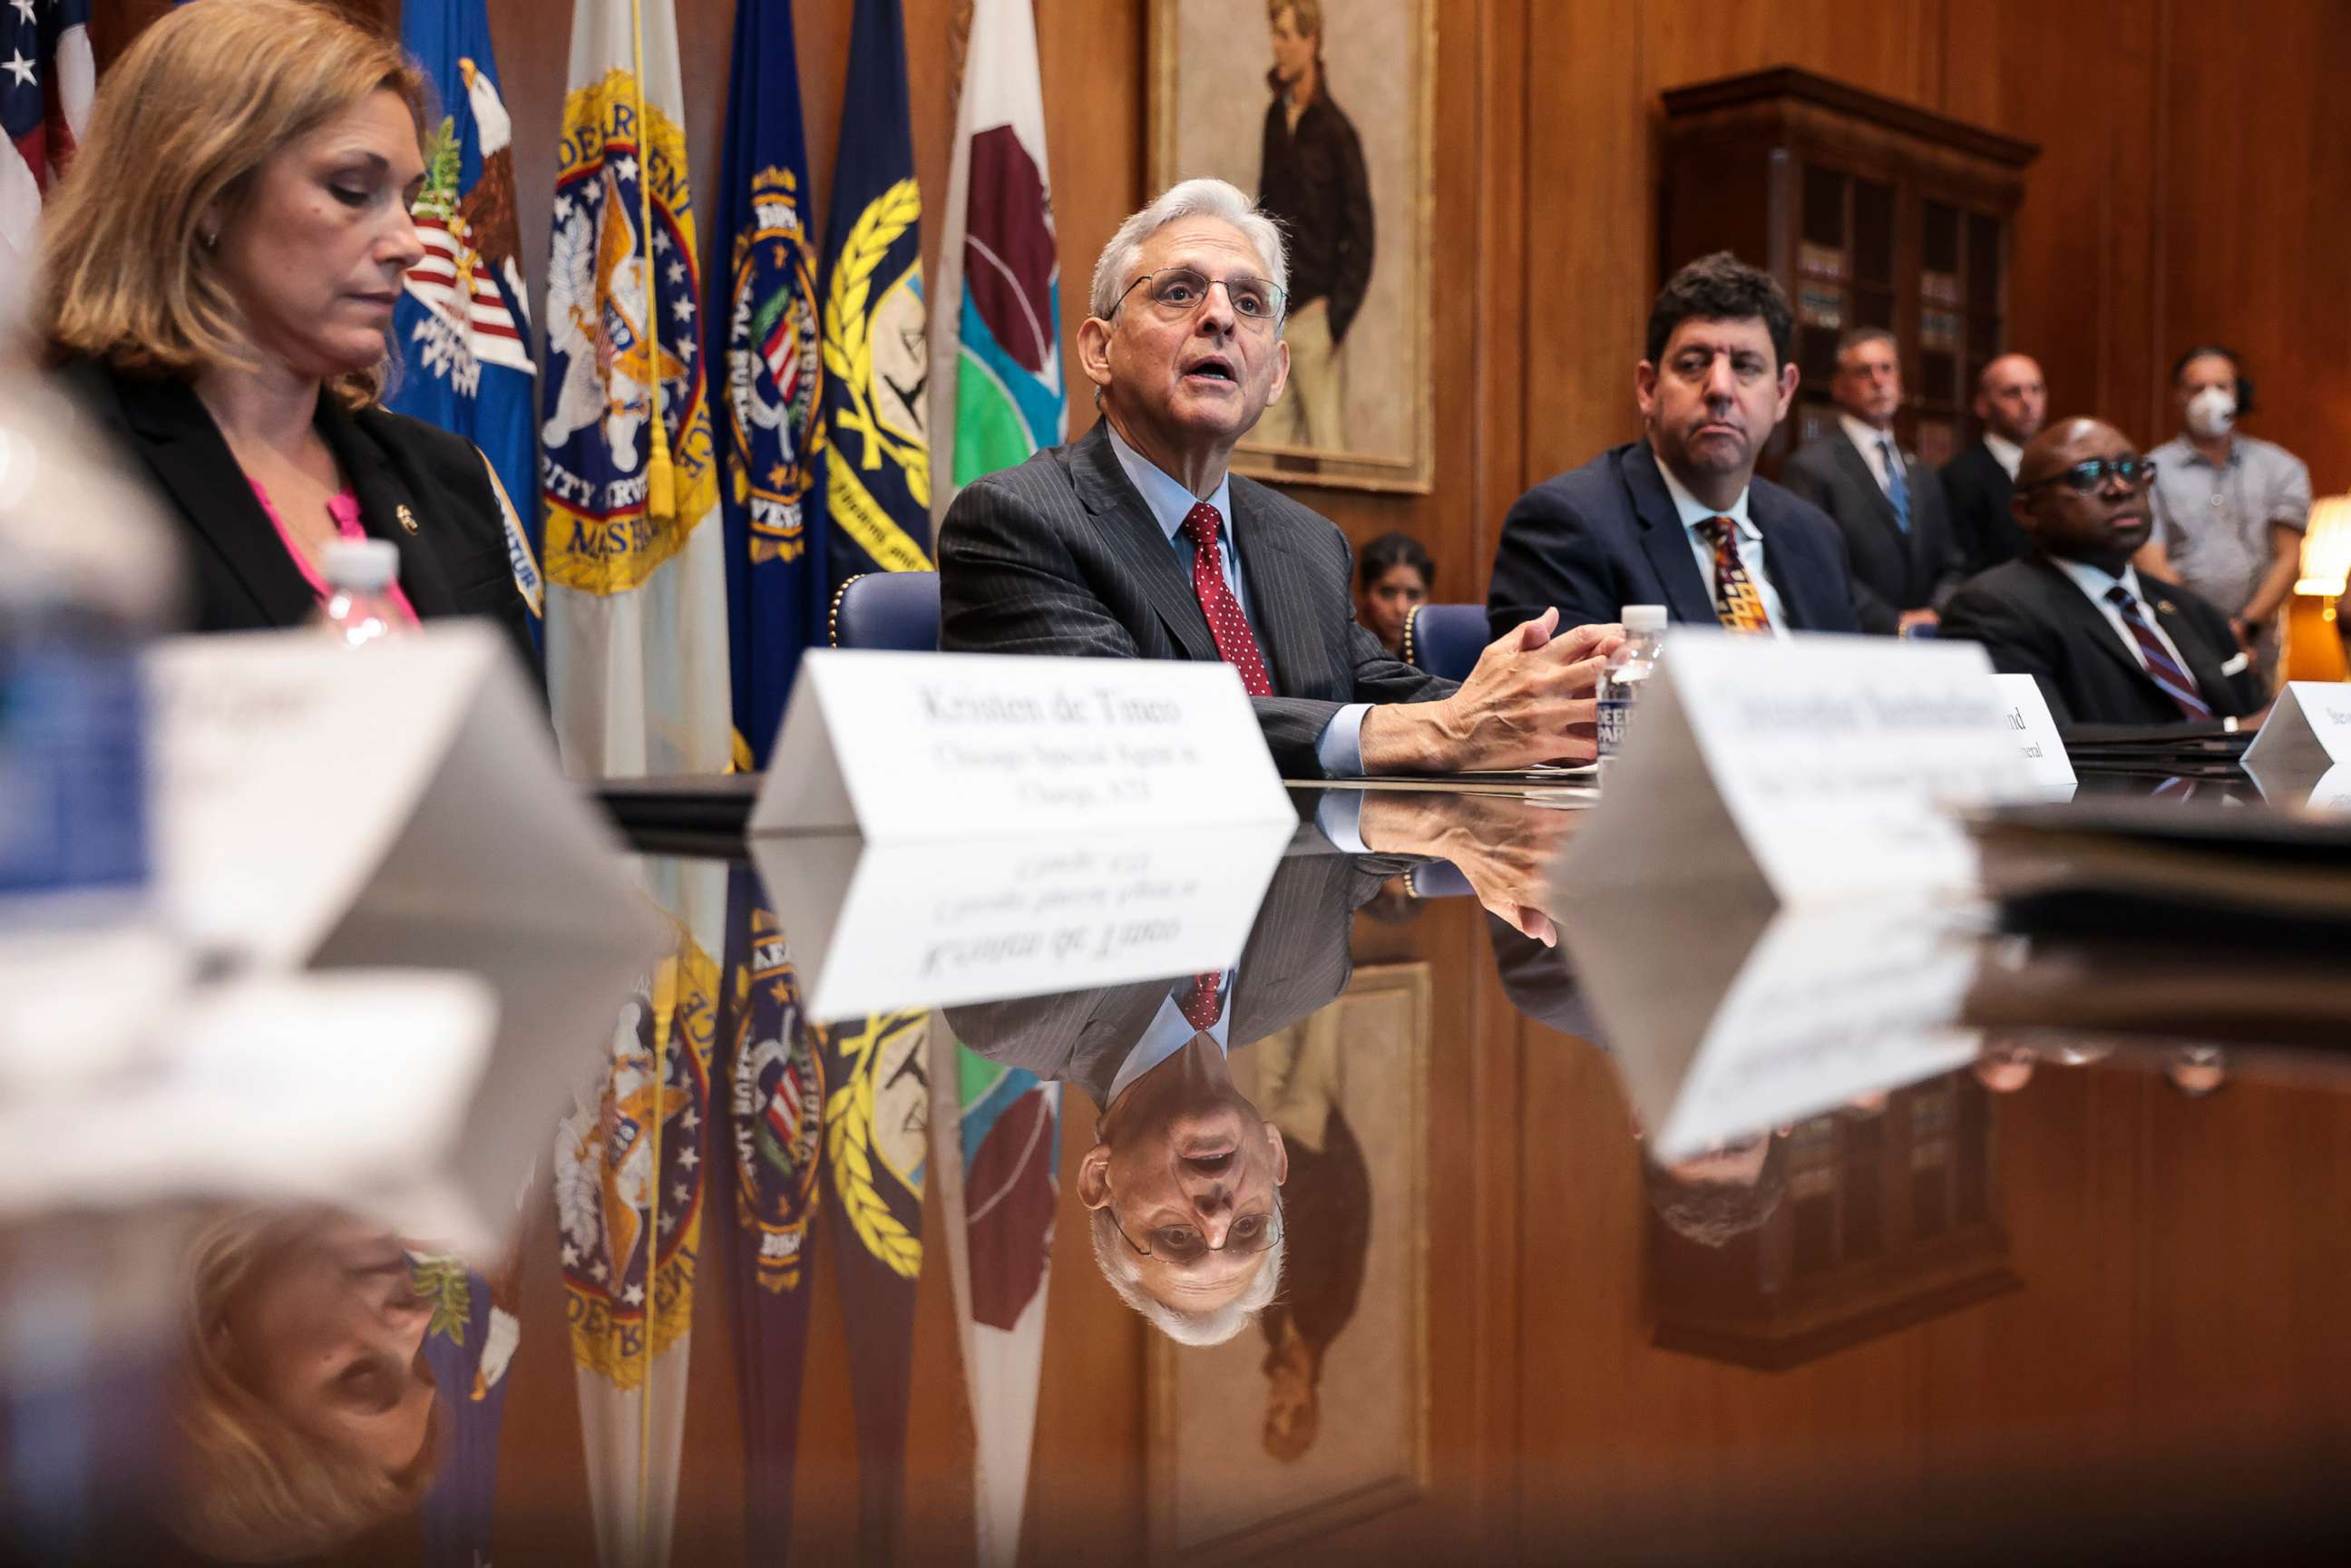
point(462, 323)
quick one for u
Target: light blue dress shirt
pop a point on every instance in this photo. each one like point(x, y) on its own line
point(1694, 513)
point(1340, 748)
point(1170, 1031)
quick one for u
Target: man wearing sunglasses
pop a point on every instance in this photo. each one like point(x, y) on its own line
point(2106, 643)
point(1133, 541)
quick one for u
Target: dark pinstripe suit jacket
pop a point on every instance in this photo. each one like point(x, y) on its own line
point(1061, 555)
point(1297, 959)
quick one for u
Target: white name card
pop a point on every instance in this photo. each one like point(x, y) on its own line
point(2024, 715)
point(2307, 731)
point(896, 924)
point(1824, 766)
point(922, 745)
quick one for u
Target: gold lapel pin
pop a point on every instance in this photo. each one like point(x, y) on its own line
point(407, 518)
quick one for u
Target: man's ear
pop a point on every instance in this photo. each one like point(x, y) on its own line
point(1644, 389)
point(1280, 1154)
point(1094, 1177)
point(1094, 349)
point(1789, 376)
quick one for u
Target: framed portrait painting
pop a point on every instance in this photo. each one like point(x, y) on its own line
point(1323, 112)
point(1316, 1417)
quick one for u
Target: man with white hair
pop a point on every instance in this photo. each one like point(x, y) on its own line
point(1134, 541)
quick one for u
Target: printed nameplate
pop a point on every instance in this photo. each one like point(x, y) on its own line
point(2307, 731)
point(1824, 765)
point(882, 926)
point(926, 745)
point(2026, 721)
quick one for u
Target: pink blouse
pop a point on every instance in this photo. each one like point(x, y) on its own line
point(344, 507)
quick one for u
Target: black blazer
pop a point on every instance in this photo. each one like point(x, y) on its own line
point(1060, 555)
point(2034, 620)
point(1892, 570)
point(453, 563)
point(1977, 490)
point(1604, 536)
point(1297, 959)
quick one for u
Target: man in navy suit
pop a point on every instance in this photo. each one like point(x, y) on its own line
point(1679, 518)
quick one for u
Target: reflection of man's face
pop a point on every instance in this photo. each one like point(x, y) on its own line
point(1733, 1164)
point(1196, 377)
point(1293, 51)
point(1188, 1169)
point(1714, 399)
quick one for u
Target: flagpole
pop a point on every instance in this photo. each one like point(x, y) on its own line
point(660, 485)
point(663, 1017)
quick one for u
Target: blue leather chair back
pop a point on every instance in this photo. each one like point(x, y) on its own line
point(897, 610)
point(1446, 639)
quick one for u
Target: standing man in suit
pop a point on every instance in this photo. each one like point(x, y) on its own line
point(2106, 643)
point(1888, 503)
point(2011, 401)
point(1678, 517)
point(1134, 541)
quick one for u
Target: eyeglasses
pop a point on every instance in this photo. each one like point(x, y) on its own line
point(1177, 291)
point(1183, 1245)
point(2087, 478)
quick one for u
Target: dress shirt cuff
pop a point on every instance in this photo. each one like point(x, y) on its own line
point(1339, 816)
point(1340, 748)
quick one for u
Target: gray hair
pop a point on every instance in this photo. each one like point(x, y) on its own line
point(1124, 1269)
point(1191, 199)
point(1857, 336)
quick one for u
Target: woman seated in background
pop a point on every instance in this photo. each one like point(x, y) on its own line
point(1393, 575)
point(218, 276)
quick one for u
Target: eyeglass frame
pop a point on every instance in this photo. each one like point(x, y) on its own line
point(1274, 1232)
point(1281, 294)
point(2106, 469)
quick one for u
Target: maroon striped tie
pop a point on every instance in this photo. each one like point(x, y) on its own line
point(2161, 667)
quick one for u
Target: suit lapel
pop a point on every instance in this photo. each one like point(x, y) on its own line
point(1134, 537)
point(1273, 572)
point(2203, 665)
point(1795, 588)
point(2066, 602)
point(1663, 539)
point(388, 507)
point(1858, 470)
point(193, 464)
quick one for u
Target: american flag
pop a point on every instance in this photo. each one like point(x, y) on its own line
point(46, 76)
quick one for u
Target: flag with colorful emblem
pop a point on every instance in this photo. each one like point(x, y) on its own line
point(635, 557)
point(997, 391)
point(462, 325)
point(470, 1342)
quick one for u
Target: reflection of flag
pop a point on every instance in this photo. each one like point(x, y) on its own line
point(877, 466)
point(636, 616)
point(629, 1174)
point(997, 1146)
point(876, 1129)
point(775, 1160)
point(763, 337)
point(45, 79)
point(464, 318)
point(998, 393)
point(468, 1344)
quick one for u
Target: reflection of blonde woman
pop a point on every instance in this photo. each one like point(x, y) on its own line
point(306, 1413)
point(1313, 182)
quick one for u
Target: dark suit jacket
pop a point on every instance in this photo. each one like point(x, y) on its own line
point(454, 563)
point(1604, 536)
point(1892, 570)
point(2033, 620)
point(1297, 959)
point(1977, 490)
point(1061, 555)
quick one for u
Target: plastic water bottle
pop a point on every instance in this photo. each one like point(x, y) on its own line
point(359, 608)
point(1628, 668)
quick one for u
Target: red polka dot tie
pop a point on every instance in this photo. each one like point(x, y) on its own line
point(1202, 1001)
point(1235, 644)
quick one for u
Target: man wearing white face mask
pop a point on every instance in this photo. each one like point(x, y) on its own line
point(2230, 509)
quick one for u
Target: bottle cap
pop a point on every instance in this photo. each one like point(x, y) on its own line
point(1643, 617)
point(361, 566)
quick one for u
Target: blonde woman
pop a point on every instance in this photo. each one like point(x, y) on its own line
point(217, 277)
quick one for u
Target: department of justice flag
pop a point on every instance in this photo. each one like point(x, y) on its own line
point(997, 390)
point(764, 340)
point(462, 325)
point(877, 463)
point(636, 602)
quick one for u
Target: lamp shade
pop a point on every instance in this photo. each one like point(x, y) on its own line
point(2327, 547)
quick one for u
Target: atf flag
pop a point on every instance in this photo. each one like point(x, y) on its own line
point(998, 393)
point(764, 341)
point(877, 466)
point(464, 316)
point(636, 611)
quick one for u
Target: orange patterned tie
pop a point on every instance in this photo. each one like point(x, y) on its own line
point(1736, 604)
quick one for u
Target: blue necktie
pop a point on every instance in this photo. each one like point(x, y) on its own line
point(1897, 489)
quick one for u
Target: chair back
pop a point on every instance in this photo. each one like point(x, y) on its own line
point(1445, 639)
point(894, 609)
